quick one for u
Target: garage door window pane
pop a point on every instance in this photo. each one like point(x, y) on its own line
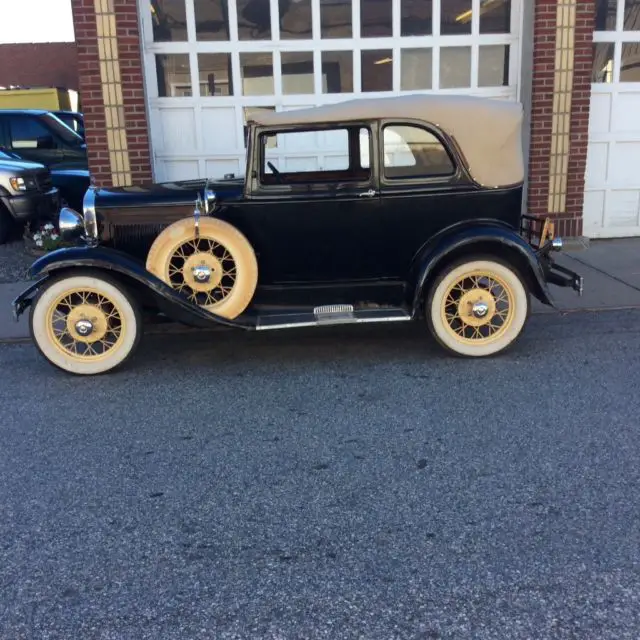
point(455, 17)
point(493, 66)
point(337, 71)
point(413, 152)
point(257, 74)
point(174, 77)
point(212, 19)
point(416, 18)
point(455, 67)
point(415, 68)
point(630, 64)
point(215, 74)
point(375, 18)
point(606, 15)
point(169, 19)
point(377, 70)
point(254, 20)
point(495, 16)
point(297, 73)
point(295, 23)
point(335, 18)
point(602, 62)
point(632, 15)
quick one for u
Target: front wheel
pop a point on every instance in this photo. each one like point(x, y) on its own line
point(85, 324)
point(477, 307)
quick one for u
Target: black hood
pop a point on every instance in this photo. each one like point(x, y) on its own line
point(169, 193)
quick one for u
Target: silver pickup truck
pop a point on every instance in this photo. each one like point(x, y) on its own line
point(26, 193)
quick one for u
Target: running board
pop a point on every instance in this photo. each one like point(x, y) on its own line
point(330, 315)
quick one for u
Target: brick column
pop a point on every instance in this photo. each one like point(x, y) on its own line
point(112, 91)
point(562, 55)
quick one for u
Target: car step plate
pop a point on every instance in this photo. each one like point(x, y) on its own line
point(334, 314)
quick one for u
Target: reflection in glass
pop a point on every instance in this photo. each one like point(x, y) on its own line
point(254, 20)
point(337, 71)
point(493, 66)
point(297, 72)
point(630, 63)
point(169, 20)
point(212, 19)
point(174, 78)
point(606, 15)
point(375, 18)
point(377, 70)
point(295, 20)
point(257, 74)
point(335, 18)
point(415, 69)
point(495, 16)
point(416, 18)
point(602, 62)
point(455, 67)
point(215, 74)
point(455, 17)
point(632, 15)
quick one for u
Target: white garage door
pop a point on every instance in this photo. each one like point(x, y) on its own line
point(210, 63)
point(612, 198)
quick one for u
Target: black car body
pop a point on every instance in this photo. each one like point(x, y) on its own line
point(420, 217)
point(40, 136)
point(26, 193)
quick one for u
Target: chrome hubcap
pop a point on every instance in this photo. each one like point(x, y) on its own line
point(84, 328)
point(480, 309)
point(202, 273)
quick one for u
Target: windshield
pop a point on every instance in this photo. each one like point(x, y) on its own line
point(62, 130)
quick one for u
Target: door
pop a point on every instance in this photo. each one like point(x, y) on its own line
point(312, 222)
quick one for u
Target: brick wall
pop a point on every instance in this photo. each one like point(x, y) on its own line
point(569, 223)
point(42, 64)
point(132, 89)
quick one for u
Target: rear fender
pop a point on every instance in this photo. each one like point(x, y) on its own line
point(498, 241)
point(122, 267)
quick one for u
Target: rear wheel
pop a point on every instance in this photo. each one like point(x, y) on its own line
point(85, 324)
point(477, 307)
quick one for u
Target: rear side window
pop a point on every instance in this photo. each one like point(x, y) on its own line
point(414, 152)
point(29, 133)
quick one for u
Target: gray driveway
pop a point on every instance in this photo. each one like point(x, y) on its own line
point(345, 483)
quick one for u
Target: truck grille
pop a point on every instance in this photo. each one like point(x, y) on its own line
point(43, 180)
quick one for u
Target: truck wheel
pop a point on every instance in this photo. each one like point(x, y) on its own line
point(217, 270)
point(85, 324)
point(477, 307)
point(6, 224)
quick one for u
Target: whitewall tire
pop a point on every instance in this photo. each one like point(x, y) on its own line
point(477, 307)
point(85, 324)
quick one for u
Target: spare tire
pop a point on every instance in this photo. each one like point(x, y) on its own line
point(217, 270)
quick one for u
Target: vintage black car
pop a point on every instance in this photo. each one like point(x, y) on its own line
point(420, 218)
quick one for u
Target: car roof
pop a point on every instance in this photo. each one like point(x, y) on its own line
point(15, 112)
point(487, 130)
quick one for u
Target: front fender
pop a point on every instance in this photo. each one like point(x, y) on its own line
point(478, 239)
point(175, 305)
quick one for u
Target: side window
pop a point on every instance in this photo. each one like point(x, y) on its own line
point(29, 133)
point(329, 155)
point(414, 152)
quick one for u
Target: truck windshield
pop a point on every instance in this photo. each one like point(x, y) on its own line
point(62, 130)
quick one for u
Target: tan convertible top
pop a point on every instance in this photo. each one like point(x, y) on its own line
point(487, 130)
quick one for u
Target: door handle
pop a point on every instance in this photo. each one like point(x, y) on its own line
point(368, 194)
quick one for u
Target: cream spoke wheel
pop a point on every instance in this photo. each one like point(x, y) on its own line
point(477, 307)
point(217, 270)
point(85, 324)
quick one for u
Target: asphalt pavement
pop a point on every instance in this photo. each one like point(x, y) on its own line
point(334, 483)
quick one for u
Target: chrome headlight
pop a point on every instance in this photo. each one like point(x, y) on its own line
point(70, 224)
point(89, 214)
